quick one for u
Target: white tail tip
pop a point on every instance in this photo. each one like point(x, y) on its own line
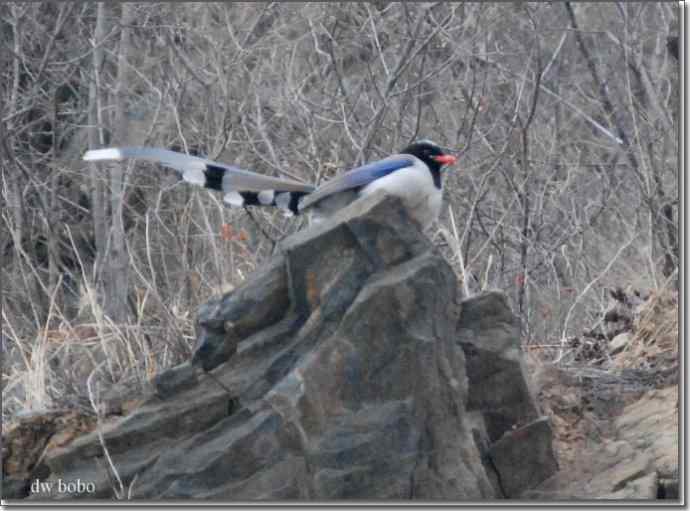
point(234, 199)
point(103, 155)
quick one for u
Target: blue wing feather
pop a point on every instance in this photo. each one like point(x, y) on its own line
point(365, 174)
point(357, 178)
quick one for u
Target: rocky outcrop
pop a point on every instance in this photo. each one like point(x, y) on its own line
point(347, 368)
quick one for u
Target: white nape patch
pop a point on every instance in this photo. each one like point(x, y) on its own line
point(283, 200)
point(266, 197)
point(103, 155)
point(195, 176)
point(234, 199)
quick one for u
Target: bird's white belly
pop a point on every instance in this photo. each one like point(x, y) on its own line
point(415, 186)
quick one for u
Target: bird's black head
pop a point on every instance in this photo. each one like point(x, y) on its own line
point(432, 155)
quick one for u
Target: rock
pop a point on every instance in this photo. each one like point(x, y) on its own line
point(25, 442)
point(499, 397)
point(529, 448)
point(622, 474)
point(644, 487)
point(22, 447)
point(631, 453)
point(489, 334)
point(650, 424)
point(618, 343)
point(336, 372)
point(224, 321)
point(174, 380)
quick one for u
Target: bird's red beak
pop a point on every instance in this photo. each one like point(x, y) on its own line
point(445, 159)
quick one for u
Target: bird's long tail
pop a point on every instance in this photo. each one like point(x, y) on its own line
point(239, 187)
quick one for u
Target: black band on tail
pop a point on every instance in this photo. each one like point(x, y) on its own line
point(283, 200)
point(214, 177)
point(276, 198)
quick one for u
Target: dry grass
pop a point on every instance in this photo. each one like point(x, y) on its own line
point(655, 340)
point(48, 359)
point(50, 370)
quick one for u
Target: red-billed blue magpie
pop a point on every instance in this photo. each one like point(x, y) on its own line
point(414, 175)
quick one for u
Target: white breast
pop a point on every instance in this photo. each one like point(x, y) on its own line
point(415, 186)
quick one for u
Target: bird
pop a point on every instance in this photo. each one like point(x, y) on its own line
point(414, 175)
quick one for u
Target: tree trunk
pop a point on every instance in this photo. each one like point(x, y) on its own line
point(96, 139)
point(116, 284)
point(112, 260)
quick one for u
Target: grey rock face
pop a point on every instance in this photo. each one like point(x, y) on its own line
point(515, 443)
point(333, 373)
point(529, 448)
point(489, 334)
